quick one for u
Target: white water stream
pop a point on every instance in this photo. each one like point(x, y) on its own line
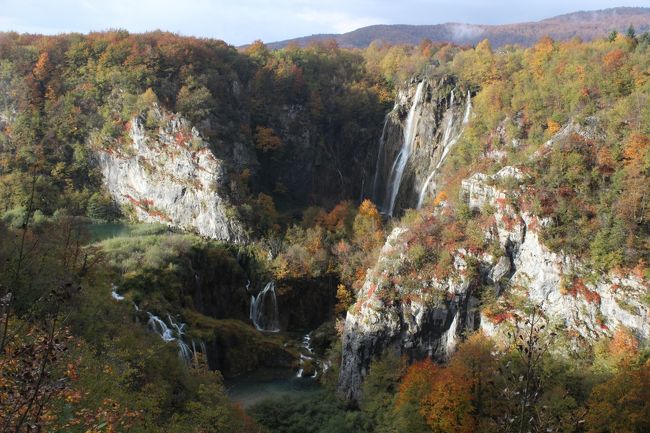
point(264, 309)
point(397, 170)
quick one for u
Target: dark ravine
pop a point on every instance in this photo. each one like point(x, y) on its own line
point(209, 289)
point(306, 303)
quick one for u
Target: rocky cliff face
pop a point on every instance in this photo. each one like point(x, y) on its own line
point(428, 320)
point(425, 123)
point(557, 282)
point(171, 176)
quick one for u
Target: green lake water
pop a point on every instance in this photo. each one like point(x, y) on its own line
point(268, 383)
point(100, 232)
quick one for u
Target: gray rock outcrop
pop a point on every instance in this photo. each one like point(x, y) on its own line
point(170, 176)
point(423, 321)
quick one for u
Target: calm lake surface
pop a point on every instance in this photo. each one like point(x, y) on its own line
point(267, 383)
point(100, 232)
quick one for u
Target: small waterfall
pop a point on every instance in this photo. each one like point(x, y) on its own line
point(468, 108)
point(450, 123)
point(264, 309)
point(114, 293)
point(307, 354)
point(446, 143)
point(175, 332)
point(397, 170)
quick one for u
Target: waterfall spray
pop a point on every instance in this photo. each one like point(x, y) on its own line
point(397, 170)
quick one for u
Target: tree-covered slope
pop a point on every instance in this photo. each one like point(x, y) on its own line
point(262, 113)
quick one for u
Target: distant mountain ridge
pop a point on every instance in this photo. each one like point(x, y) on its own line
point(584, 24)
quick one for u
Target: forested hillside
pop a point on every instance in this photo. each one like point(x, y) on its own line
point(261, 112)
point(424, 319)
point(587, 25)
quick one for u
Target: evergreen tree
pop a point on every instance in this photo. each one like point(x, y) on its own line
point(631, 33)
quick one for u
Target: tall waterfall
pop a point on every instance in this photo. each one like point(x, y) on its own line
point(264, 309)
point(446, 143)
point(397, 170)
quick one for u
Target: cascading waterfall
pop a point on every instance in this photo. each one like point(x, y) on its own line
point(306, 347)
point(174, 332)
point(157, 325)
point(397, 170)
point(446, 143)
point(264, 309)
point(310, 365)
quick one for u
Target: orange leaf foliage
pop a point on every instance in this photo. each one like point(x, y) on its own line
point(417, 382)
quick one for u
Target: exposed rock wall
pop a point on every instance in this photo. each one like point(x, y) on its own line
point(170, 176)
point(426, 322)
point(429, 320)
point(324, 158)
point(589, 309)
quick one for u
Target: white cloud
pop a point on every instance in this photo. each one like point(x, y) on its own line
point(335, 22)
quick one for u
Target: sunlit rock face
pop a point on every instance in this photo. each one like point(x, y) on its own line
point(429, 321)
point(418, 322)
point(587, 309)
point(427, 120)
point(170, 175)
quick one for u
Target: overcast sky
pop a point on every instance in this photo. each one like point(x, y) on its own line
point(242, 21)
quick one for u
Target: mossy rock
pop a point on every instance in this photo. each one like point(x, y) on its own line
point(235, 347)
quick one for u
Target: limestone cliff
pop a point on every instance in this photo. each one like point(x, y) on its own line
point(168, 174)
point(418, 322)
point(428, 320)
point(587, 309)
